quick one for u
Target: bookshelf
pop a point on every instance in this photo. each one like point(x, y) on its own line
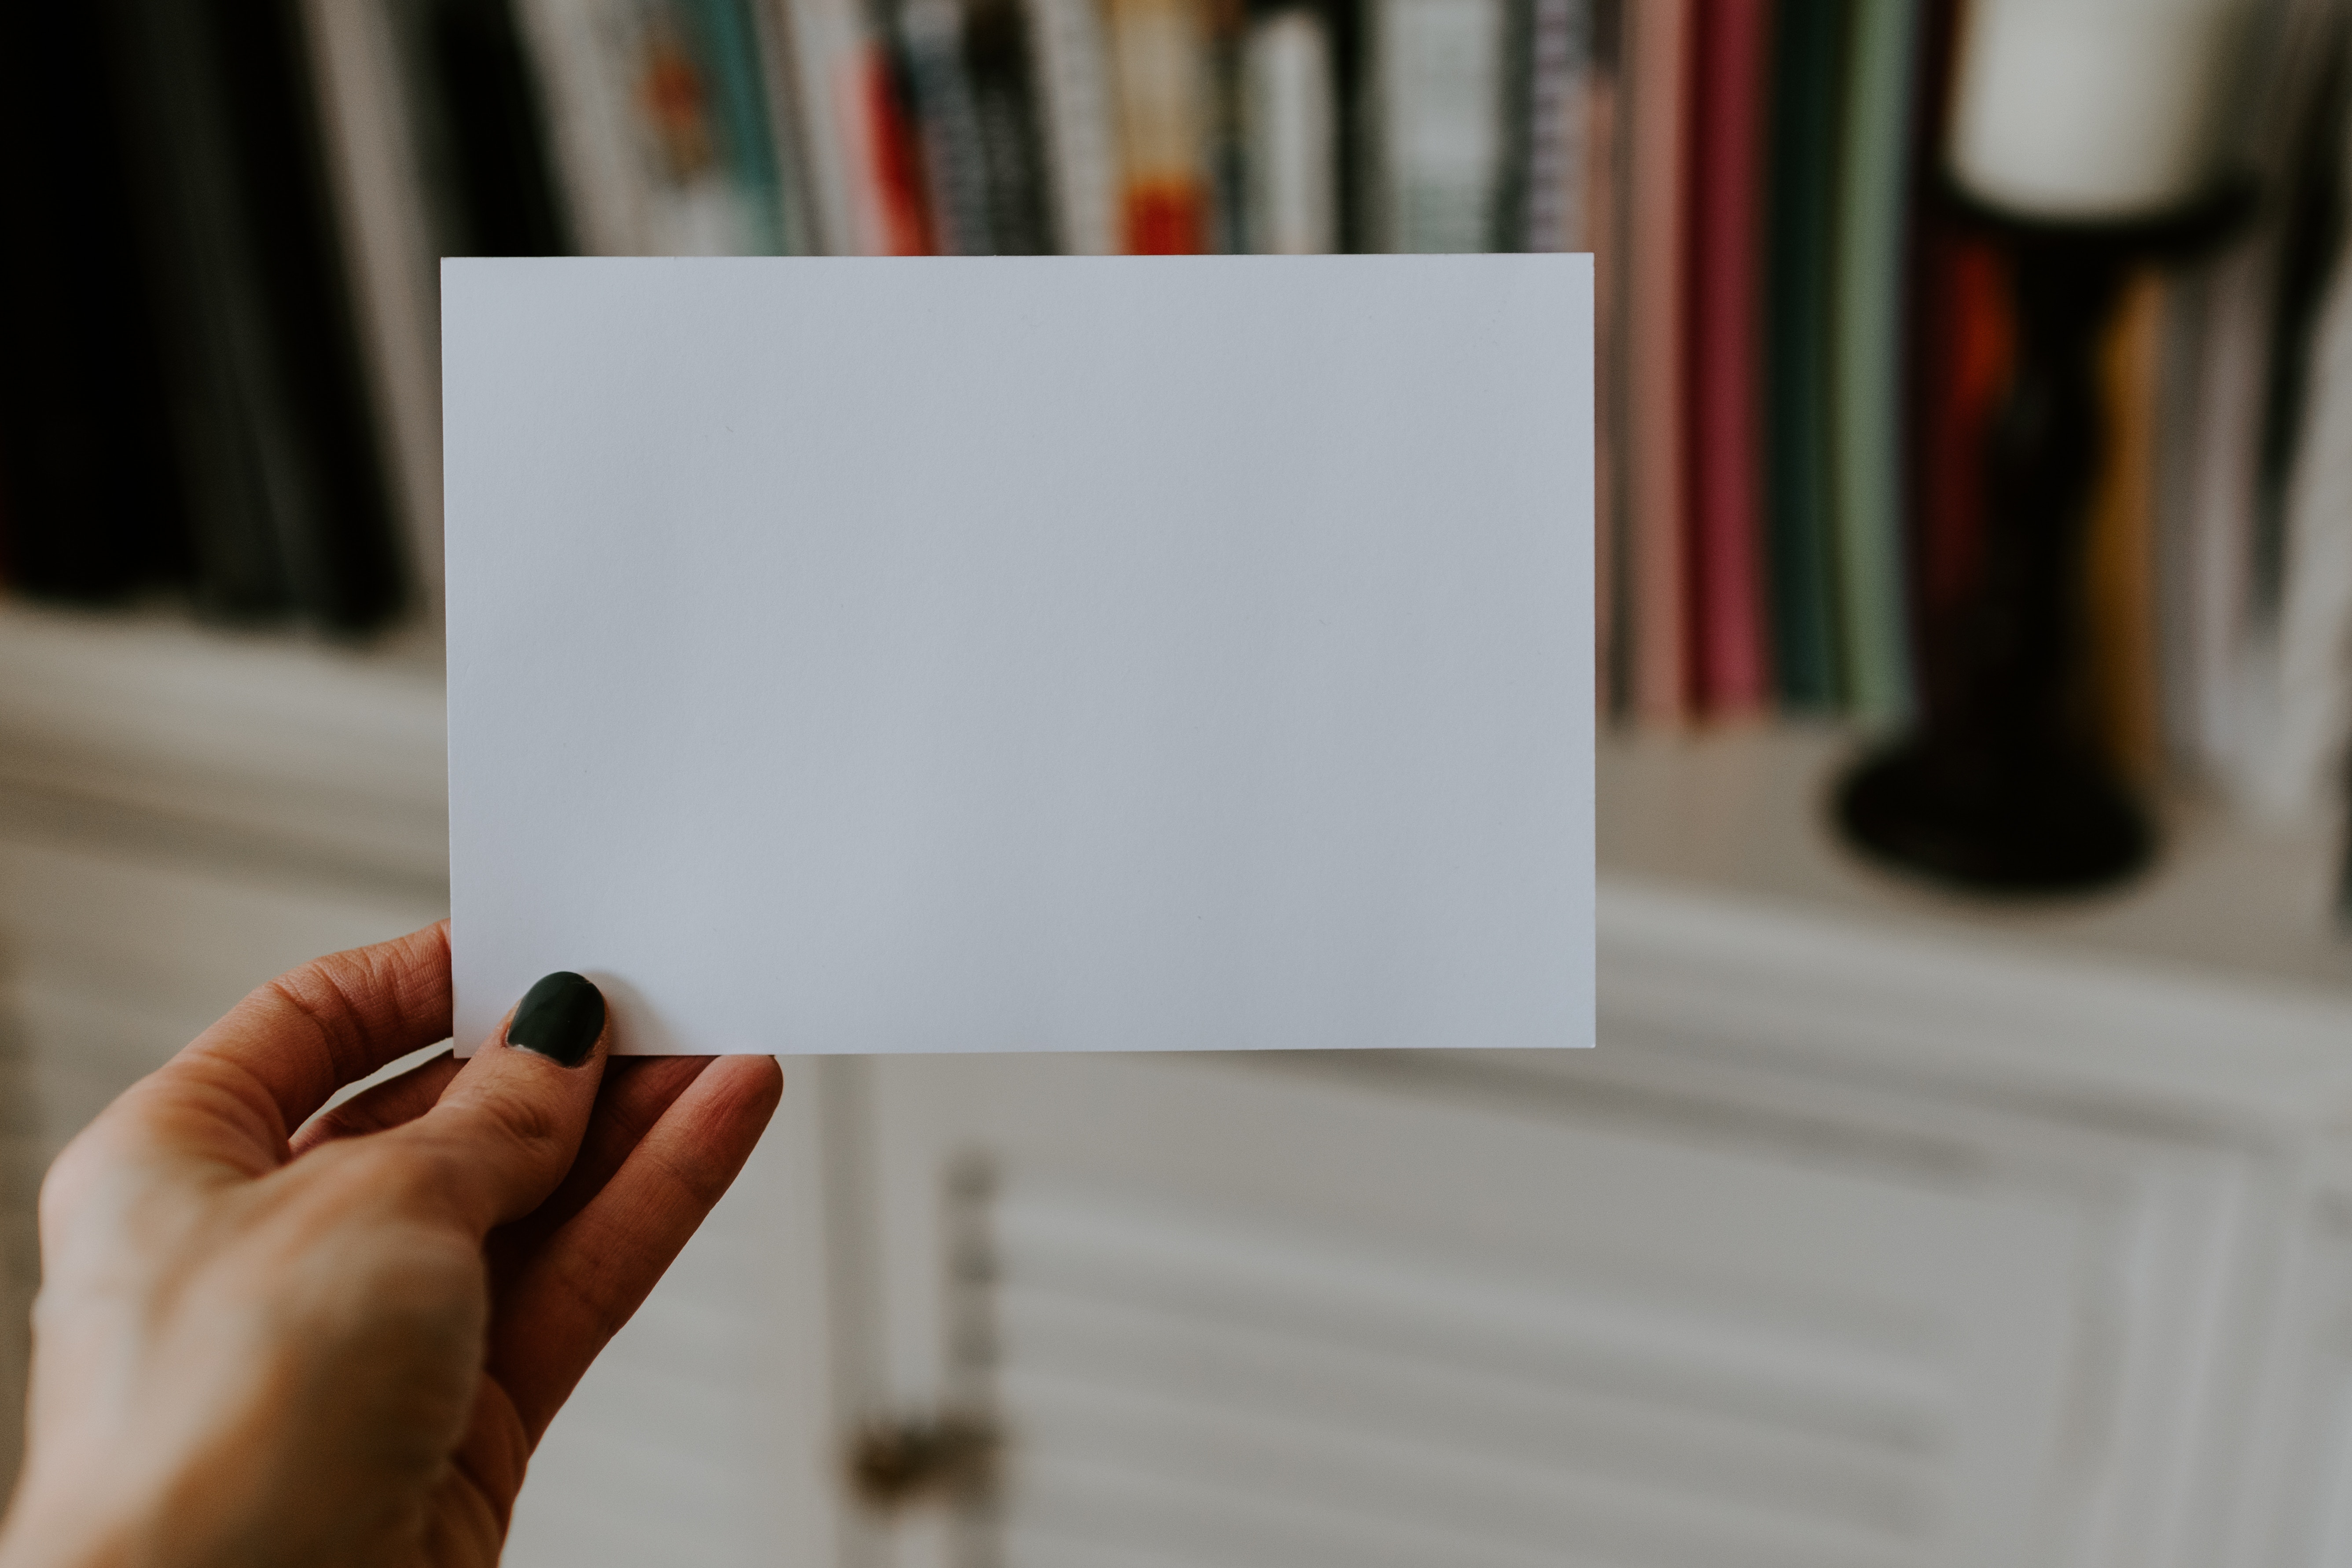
point(1847, 1094)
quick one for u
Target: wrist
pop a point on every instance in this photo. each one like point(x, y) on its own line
point(40, 1534)
point(94, 1516)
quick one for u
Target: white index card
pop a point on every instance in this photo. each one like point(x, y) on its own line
point(1025, 654)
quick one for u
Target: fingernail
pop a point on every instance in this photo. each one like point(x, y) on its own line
point(560, 1018)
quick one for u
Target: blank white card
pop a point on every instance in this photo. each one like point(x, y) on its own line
point(1025, 654)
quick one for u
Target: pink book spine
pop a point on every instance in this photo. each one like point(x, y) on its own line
point(1657, 43)
point(1731, 44)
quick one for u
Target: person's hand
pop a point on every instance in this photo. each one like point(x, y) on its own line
point(263, 1342)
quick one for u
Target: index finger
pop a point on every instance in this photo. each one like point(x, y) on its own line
point(282, 1052)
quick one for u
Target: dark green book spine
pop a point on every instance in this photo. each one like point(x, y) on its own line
point(1808, 90)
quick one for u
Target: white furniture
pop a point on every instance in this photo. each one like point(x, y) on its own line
point(1879, 1230)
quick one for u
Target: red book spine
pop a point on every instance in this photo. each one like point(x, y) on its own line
point(896, 175)
point(1729, 640)
point(1165, 217)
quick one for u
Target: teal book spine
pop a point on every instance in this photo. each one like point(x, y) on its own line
point(729, 42)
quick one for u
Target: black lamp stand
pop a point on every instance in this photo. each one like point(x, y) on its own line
point(1999, 787)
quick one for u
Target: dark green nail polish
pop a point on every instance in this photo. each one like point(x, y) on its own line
point(560, 1018)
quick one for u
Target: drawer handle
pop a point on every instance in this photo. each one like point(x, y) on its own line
point(895, 1464)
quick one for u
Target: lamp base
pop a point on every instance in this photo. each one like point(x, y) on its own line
point(2036, 824)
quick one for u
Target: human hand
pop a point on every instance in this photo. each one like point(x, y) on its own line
point(264, 1341)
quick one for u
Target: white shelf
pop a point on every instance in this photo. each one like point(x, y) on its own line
point(285, 748)
point(1744, 814)
point(266, 745)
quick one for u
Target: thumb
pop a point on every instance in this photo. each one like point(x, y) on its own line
point(506, 1129)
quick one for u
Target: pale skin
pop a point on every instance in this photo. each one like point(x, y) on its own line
point(265, 1336)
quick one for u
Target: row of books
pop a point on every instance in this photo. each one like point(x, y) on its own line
point(1812, 342)
point(186, 403)
point(228, 324)
point(230, 330)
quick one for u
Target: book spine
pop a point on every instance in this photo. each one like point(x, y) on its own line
point(1291, 122)
point(701, 192)
point(799, 226)
point(1438, 98)
point(215, 331)
point(865, 172)
point(1553, 156)
point(307, 387)
point(1071, 67)
point(482, 133)
point(819, 41)
point(1227, 31)
point(2303, 769)
point(731, 58)
point(2227, 704)
point(998, 61)
point(1160, 64)
point(93, 500)
point(1808, 67)
point(386, 230)
point(1657, 46)
point(947, 123)
point(571, 45)
point(1604, 227)
point(1867, 359)
point(1731, 39)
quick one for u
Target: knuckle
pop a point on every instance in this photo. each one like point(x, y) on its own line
point(526, 1120)
point(495, 1130)
point(697, 1181)
point(323, 994)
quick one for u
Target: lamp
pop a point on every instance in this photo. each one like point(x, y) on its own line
point(2091, 136)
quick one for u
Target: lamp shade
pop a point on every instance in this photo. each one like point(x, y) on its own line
point(2095, 110)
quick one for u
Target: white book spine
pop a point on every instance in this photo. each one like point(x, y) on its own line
point(2304, 771)
point(2230, 713)
point(1289, 113)
point(821, 40)
point(779, 79)
point(2219, 528)
point(2300, 765)
point(1438, 83)
point(1071, 63)
point(589, 120)
point(387, 237)
point(1160, 62)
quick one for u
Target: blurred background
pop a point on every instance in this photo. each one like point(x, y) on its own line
point(1976, 379)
